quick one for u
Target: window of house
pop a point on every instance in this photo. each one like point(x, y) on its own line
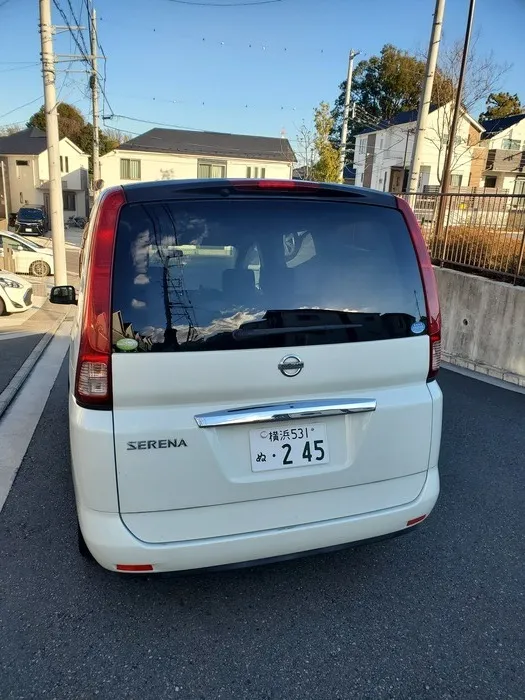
point(69, 201)
point(255, 172)
point(362, 146)
point(22, 162)
point(211, 169)
point(519, 186)
point(129, 169)
point(511, 144)
point(61, 164)
point(456, 180)
point(491, 181)
point(66, 163)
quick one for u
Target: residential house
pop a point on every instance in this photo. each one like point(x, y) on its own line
point(501, 156)
point(383, 153)
point(26, 169)
point(173, 154)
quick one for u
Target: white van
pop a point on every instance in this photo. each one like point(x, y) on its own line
point(252, 373)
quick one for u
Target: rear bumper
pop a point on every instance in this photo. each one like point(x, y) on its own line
point(111, 543)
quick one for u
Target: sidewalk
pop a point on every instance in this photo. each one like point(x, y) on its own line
point(24, 336)
point(19, 336)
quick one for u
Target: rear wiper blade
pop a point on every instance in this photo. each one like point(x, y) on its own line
point(258, 332)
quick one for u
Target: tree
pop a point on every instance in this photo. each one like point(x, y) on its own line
point(71, 122)
point(116, 136)
point(305, 151)
point(9, 129)
point(501, 104)
point(326, 168)
point(482, 77)
point(72, 125)
point(382, 87)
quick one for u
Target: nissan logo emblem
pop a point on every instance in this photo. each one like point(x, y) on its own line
point(290, 366)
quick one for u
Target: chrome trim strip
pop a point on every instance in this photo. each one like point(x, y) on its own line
point(295, 410)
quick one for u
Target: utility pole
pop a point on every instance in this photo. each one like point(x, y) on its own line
point(53, 141)
point(425, 99)
point(94, 99)
point(346, 114)
point(4, 191)
point(447, 167)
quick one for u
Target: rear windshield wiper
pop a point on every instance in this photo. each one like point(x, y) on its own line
point(243, 333)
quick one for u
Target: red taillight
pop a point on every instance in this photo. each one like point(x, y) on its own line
point(429, 285)
point(296, 185)
point(137, 568)
point(415, 521)
point(93, 378)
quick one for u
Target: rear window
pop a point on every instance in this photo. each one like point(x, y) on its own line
point(244, 274)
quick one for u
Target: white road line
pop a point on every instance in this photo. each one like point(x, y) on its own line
point(21, 419)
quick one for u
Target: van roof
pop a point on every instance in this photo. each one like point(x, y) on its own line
point(173, 189)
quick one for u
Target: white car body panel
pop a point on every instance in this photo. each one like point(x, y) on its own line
point(111, 543)
point(15, 298)
point(28, 254)
point(201, 505)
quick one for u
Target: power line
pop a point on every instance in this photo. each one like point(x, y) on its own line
point(214, 104)
point(146, 121)
point(77, 24)
point(251, 45)
point(10, 70)
point(83, 50)
point(198, 3)
point(22, 106)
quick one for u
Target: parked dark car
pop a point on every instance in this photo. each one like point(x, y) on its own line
point(31, 219)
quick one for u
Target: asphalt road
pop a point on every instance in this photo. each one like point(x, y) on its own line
point(438, 614)
point(13, 353)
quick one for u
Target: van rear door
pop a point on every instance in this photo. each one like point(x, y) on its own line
point(265, 345)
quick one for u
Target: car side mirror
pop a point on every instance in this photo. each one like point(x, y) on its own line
point(65, 294)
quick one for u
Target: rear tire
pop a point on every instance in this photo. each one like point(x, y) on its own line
point(40, 269)
point(82, 546)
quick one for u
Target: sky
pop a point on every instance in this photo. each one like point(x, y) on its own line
point(239, 68)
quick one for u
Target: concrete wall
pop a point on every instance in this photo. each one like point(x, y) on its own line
point(30, 183)
point(167, 166)
point(77, 162)
point(483, 324)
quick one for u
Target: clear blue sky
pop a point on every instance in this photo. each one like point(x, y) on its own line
point(257, 69)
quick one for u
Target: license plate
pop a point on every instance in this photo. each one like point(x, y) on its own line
point(289, 446)
point(28, 230)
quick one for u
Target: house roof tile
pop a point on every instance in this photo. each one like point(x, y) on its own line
point(30, 142)
point(212, 144)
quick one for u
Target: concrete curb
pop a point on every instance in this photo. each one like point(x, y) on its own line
point(9, 393)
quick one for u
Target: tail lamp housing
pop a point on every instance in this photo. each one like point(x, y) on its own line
point(428, 278)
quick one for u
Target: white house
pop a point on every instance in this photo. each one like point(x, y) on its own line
point(172, 154)
point(503, 162)
point(24, 155)
point(383, 155)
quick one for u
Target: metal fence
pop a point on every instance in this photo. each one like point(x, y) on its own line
point(481, 233)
